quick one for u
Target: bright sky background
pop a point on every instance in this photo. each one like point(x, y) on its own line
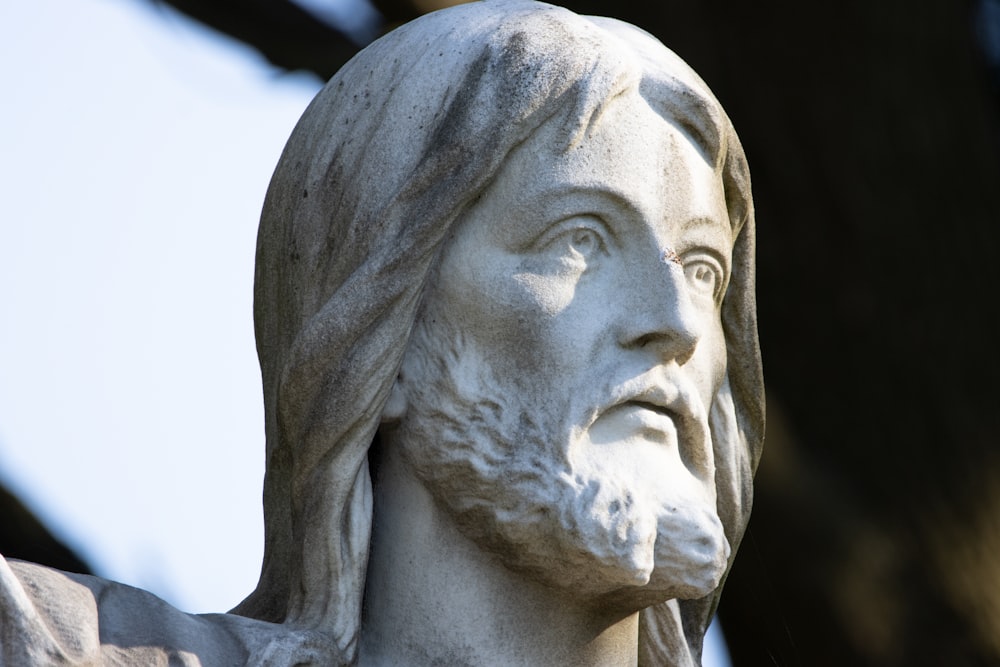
point(135, 150)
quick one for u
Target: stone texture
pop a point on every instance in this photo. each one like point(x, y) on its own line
point(504, 310)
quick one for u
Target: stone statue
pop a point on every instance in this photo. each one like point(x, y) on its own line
point(505, 319)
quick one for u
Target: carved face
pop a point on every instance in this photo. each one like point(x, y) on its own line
point(602, 266)
point(588, 281)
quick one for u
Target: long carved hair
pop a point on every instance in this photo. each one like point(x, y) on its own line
point(379, 168)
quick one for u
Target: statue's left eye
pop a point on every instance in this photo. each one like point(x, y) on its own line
point(704, 275)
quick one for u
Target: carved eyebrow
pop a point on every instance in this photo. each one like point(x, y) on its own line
point(705, 221)
point(613, 207)
point(556, 201)
point(620, 199)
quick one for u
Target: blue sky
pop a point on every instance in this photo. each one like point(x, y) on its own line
point(136, 151)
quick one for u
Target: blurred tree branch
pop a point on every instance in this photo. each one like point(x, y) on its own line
point(287, 35)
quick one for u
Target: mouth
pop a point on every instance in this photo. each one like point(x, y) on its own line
point(646, 405)
point(644, 417)
point(665, 399)
point(663, 412)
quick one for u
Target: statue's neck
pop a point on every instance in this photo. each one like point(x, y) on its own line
point(432, 597)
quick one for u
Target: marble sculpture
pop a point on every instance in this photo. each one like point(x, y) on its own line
point(505, 317)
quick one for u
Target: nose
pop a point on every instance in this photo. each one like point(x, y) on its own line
point(660, 316)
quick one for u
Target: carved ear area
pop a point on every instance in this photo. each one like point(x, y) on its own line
point(395, 407)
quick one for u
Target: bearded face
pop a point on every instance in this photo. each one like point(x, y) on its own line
point(510, 474)
point(557, 384)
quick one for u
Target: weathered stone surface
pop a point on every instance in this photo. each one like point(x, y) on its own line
point(505, 317)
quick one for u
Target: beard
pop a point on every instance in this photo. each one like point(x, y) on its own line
point(503, 469)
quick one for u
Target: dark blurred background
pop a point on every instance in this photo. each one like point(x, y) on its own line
point(873, 134)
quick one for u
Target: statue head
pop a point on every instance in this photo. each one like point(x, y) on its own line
point(411, 164)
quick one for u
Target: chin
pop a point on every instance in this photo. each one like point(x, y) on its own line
point(691, 559)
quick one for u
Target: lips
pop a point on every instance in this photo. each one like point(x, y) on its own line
point(645, 415)
point(652, 407)
point(662, 398)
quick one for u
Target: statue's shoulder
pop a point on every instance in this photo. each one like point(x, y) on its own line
point(57, 619)
point(49, 617)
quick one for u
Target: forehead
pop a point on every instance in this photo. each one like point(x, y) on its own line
point(630, 159)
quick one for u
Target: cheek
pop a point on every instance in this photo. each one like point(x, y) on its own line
point(526, 326)
point(709, 361)
point(548, 295)
point(495, 312)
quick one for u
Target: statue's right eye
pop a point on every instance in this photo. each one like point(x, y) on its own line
point(583, 242)
point(575, 240)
